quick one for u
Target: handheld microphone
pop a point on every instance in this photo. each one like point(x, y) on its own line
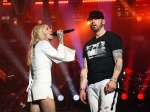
point(120, 90)
point(64, 31)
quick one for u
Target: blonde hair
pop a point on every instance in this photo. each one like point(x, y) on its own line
point(37, 35)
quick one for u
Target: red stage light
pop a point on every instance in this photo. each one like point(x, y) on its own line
point(15, 22)
point(8, 4)
point(140, 96)
point(5, 0)
point(39, 21)
point(87, 1)
point(139, 18)
point(141, 0)
point(63, 2)
point(124, 96)
point(39, 3)
point(60, 2)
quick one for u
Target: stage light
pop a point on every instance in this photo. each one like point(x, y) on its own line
point(7, 4)
point(140, 96)
point(88, 23)
point(60, 98)
point(124, 96)
point(39, 3)
point(63, 2)
point(139, 18)
point(5, 0)
point(76, 97)
point(51, 2)
point(39, 21)
point(141, 0)
point(60, 2)
point(89, 1)
point(58, 94)
point(5, 18)
point(15, 21)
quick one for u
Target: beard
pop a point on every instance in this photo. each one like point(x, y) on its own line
point(96, 28)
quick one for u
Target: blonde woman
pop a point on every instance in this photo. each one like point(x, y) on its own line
point(40, 56)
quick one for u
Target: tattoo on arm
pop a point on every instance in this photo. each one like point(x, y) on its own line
point(84, 65)
point(118, 68)
point(117, 54)
point(81, 78)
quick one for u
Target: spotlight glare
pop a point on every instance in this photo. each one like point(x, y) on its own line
point(140, 96)
point(6, 3)
point(124, 96)
point(88, 1)
point(39, 3)
point(76, 97)
point(15, 21)
point(88, 23)
point(139, 18)
point(39, 21)
point(63, 2)
point(60, 98)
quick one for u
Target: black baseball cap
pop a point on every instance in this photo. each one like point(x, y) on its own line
point(95, 14)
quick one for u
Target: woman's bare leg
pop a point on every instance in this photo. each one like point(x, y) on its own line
point(48, 105)
point(34, 107)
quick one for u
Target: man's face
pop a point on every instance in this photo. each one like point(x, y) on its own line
point(96, 24)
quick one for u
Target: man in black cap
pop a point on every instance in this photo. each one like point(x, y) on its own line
point(102, 65)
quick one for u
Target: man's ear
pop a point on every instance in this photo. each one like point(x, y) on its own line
point(103, 21)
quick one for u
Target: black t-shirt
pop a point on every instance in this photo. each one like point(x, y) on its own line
point(98, 52)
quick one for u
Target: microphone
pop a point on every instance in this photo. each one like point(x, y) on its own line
point(64, 31)
point(120, 90)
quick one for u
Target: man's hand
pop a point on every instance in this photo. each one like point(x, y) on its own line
point(110, 87)
point(83, 96)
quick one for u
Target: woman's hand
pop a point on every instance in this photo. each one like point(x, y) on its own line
point(60, 36)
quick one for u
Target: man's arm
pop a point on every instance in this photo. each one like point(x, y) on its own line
point(83, 76)
point(111, 85)
point(83, 81)
point(117, 54)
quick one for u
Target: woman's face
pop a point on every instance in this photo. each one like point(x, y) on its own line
point(48, 31)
